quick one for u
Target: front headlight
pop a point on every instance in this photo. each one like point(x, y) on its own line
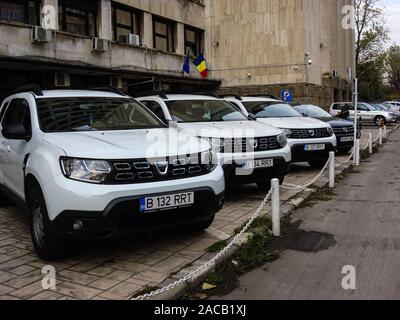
point(209, 160)
point(330, 131)
point(86, 170)
point(282, 140)
point(287, 132)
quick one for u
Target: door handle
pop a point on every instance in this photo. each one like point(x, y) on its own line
point(8, 148)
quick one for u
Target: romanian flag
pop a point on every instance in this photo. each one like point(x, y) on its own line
point(201, 65)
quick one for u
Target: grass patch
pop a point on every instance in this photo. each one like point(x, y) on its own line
point(325, 194)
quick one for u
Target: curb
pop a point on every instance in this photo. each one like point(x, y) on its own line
point(287, 209)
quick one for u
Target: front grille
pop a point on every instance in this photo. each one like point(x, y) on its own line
point(243, 145)
point(155, 170)
point(344, 131)
point(309, 133)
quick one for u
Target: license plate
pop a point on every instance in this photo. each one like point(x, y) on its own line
point(347, 139)
point(259, 164)
point(166, 202)
point(314, 147)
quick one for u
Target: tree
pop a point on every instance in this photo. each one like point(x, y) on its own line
point(371, 38)
point(392, 67)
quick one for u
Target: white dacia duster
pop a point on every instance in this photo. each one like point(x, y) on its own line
point(90, 164)
point(250, 151)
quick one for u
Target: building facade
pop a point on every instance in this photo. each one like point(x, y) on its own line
point(266, 46)
point(136, 45)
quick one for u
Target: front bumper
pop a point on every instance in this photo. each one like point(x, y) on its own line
point(123, 216)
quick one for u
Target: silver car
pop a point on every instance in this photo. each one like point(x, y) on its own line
point(366, 112)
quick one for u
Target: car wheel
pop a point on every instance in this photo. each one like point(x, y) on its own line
point(265, 185)
point(203, 225)
point(48, 246)
point(343, 151)
point(379, 120)
point(317, 164)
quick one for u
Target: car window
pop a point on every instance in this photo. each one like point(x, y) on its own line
point(155, 107)
point(18, 113)
point(3, 110)
point(363, 107)
point(93, 114)
point(262, 109)
point(204, 111)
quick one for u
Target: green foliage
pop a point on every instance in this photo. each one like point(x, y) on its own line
point(393, 67)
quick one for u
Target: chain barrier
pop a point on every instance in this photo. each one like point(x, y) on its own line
point(208, 264)
point(340, 163)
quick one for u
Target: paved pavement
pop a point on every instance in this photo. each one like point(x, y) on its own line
point(359, 227)
point(120, 268)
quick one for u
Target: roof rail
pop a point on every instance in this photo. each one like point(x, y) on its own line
point(108, 89)
point(237, 97)
point(161, 94)
point(267, 95)
point(197, 93)
point(34, 88)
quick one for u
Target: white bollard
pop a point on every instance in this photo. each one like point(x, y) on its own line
point(370, 144)
point(332, 170)
point(276, 208)
point(380, 136)
point(357, 153)
point(385, 132)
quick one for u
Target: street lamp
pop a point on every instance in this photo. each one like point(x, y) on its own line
point(307, 63)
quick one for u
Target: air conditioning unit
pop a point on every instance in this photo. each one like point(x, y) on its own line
point(99, 45)
point(116, 83)
point(130, 39)
point(335, 74)
point(62, 80)
point(41, 35)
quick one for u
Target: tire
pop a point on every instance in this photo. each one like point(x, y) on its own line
point(343, 151)
point(266, 185)
point(203, 225)
point(318, 164)
point(48, 246)
point(378, 120)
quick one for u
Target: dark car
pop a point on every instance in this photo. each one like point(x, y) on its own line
point(344, 129)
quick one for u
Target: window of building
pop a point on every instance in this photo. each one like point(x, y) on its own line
point(20, 11)
point(164, 35)
point(125, 21)
point(193, 41)
point(78, 17)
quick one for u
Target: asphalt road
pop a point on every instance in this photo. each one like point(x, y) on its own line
point(359, 227)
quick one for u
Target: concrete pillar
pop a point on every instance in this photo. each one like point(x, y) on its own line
point(49, 14)
point(180, 38)
point(105, 19)
point(147, 30)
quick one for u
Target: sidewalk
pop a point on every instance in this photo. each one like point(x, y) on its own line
point(122, 268)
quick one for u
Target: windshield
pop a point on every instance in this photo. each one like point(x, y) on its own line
point(263, 109)
point(93, 114)
point(204, 111)
point(312, 111)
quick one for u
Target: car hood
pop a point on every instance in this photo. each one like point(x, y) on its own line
point(337, 122)
point(229, 129)
point(132, 144)
point(295, 123)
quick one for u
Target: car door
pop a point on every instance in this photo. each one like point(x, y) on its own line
point(18, 112)
point(3, 147)
point(365, 112)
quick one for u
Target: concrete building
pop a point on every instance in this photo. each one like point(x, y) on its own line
point(265, 46)
point(136, 45)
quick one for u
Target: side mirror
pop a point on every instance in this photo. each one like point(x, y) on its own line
point(252, 117)
point(173, 124)
point(16, 132)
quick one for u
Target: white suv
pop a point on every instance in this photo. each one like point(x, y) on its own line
point(310, 139)
point(250, 151)
point(366, 112)
point(91, 164)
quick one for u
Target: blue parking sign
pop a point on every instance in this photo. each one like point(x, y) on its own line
point(287, 95)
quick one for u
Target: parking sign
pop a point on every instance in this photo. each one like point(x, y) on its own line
point(287, 95)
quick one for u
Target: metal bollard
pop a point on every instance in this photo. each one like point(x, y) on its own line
point(332, 170)
point(276, 208)
point(380, 136)
point(357, 153)
point(370, 144)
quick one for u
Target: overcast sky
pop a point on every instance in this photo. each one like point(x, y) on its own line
point(392, 9)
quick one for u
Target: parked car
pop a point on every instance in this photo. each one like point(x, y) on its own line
point(343, 129)
point(394, 104)
point(367, 113)
point(250, 151)
point(387, 108)
point(310, 139)
point(78, 162)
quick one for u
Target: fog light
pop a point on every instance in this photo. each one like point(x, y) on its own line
point(77, 225)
